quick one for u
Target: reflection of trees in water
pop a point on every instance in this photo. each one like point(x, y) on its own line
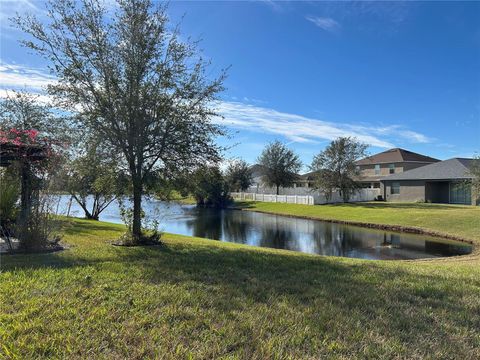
point(236, 226)
point(337, 239)
point(276, 234)
point(206, 223)
point(310, 236)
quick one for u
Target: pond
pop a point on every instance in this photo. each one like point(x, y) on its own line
point(280, 232)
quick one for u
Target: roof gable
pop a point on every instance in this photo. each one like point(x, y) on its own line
point(396, 155)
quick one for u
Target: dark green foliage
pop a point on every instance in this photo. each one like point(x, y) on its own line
point(9, 195)
point(238, 175)
point(209, 187)
point(281, 165)
point(335, 167)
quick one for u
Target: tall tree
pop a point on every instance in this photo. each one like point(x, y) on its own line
point(134, 83)
point(335, 166)
point(238, 175)
point(475, 170)
point(281, 165)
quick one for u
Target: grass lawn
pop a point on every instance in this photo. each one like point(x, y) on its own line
point(203, 299)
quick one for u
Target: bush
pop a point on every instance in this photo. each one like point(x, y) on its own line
point(41, 230)
point(9, 195)
point(210, 188)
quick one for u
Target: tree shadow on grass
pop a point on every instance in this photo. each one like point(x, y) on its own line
point(382, 301)
point(83, 226)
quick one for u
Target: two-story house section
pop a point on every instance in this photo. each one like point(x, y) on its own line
point(376, 167)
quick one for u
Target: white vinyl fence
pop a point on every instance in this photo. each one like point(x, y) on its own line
point(314, 198)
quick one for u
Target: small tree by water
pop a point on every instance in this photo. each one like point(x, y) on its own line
point(93, 175)
point(210, 188)
point(281, 165)
point(335, 167)
point(238, 175)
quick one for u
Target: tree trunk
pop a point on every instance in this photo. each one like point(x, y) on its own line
point(278, 191)
point(137, 209)
point(26, 194)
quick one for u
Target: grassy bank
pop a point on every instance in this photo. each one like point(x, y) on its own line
point(454, 220)
point(201, 299)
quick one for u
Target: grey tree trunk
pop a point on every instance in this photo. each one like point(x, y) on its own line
point(137, 209)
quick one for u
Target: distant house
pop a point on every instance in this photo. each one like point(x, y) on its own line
point(448, 181)
point(257, 171)
point(373, 169)
point(306, 180)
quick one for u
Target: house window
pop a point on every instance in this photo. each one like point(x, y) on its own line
point(357, 169)
point(391, 168)
point(395, 188)
point(377, 169)
point(460, 193)
point(376, 185)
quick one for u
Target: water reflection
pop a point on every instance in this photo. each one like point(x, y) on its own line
point(280, 232)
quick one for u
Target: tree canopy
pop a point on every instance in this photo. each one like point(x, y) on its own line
point(281, 165)
point(238, 175)
point(133, 82)
point(335, 166)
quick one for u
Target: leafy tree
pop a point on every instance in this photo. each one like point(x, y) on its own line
point(34, 137)
point(281, 165)
point(335, 167)
point(134, 83)
point(238, 175)
point(95, 174)
point(210, 188)
point(24, 111)
point(475, 170)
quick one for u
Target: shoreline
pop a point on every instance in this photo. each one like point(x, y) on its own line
point(388, 227)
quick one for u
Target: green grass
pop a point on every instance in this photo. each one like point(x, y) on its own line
point(456, 220)
point(202, 299)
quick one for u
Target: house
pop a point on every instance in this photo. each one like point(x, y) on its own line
point(377, 167)
point(448, 181)
point(257, 171)
point(305, 180)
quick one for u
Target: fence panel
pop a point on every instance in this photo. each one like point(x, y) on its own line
point(314, 198)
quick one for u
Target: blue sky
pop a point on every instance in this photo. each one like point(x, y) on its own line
point(393, 74)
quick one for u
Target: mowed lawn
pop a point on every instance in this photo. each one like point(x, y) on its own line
point(203, 299)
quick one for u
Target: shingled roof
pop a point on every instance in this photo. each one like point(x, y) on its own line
point(396, 155)
point(456, 168)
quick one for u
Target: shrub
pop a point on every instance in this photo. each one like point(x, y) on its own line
point(210, 188)
point(9, 195)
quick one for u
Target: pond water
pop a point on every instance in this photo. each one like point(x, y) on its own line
point(280, 232)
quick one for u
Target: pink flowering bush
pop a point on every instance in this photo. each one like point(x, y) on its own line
point(20, 137)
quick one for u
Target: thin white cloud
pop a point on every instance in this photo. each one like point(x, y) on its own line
point(325, 23)
point(14, 76)
point(302, 129)
point(400, 131)
point(294, 127)
point(239, 115)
